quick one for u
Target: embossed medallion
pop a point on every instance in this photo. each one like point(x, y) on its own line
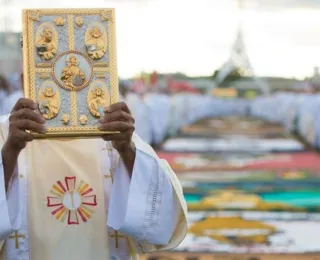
point(96, 41)
point(98, 98)
point(49, 100)
point(72, 70)
point(46, 41)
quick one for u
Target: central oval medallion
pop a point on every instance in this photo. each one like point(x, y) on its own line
point(72, 70)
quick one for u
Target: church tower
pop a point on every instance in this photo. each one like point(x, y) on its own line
point(239, 60)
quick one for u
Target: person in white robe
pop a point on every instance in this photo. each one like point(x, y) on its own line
point(159, 110)
point(10, 101)
point(141, 208)
point(10, 92)
point(4, 93)
point(141, 112)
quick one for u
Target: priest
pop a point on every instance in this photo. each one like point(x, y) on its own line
point(106, 198)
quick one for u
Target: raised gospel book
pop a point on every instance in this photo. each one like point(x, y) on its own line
point(70, 68)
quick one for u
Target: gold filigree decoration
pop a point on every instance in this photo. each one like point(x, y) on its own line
point(34, 15)
point(106, 15)
point(100, 70)
point(60, 21)
point(44, 75)
point(43, 65)
point(65, 119)
point(101, 64)
point(74, 108)
point(83, 119)
point(91, 129)
point(43, 70)
point(71, 32)
point(100, 75)
point(79, 21)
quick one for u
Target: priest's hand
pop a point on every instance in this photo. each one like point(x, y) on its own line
point(118, 118)
point(23, 117)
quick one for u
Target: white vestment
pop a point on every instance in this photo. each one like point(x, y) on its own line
point(148, 210)
point(7, 102)
point(140, 111)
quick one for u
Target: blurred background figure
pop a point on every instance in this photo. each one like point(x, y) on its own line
point(4, 93)
point(10, 92)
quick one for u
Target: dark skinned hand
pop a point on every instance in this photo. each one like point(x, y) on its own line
point(118, 118)
point(24, 117)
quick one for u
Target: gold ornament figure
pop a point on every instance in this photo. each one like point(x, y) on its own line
point(72, 75)
point(65, 119)
point(46, 42)
point(59, 21)
point(98, 99)
point(96, 41)
point(49, 100)
point(83, 119)
point(79, 21)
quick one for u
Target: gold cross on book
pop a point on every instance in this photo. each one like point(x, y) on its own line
point(16, 236)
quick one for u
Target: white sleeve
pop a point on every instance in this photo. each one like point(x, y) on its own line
point(10, 205)
point(10, 202)
point(144, 207)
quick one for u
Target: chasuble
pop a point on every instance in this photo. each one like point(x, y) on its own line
point(74, 199)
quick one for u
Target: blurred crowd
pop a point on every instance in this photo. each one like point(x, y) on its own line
point(163, 109)
point(10, 92)
point(299, 113)
point(160, 115)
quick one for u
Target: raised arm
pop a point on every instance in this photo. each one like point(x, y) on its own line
point(146, 201)
point(13, 138)
point(22, 118)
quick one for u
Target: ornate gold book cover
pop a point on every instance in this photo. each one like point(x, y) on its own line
point(70, 67)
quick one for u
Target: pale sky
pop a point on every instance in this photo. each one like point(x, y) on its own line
point(195, 36)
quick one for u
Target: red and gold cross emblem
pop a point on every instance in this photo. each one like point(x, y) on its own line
point(72, 201)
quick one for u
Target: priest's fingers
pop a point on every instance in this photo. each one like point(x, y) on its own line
point(24, 103)
point(22, 136)
point(118, 106)
point(117, 126)
point(118, 137)
point(26, 113)
point(118, 115)
point(25, 124)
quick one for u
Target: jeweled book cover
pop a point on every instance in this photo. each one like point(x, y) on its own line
point(70, 67)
